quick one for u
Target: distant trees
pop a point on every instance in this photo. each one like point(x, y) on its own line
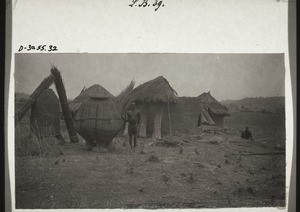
point(266, 105)
point(245, 109)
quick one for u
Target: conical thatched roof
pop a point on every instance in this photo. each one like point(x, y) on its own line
point(157, 90)
point(95, 92)
point(211, 104)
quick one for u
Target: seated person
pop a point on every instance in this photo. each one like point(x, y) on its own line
point(247, 134)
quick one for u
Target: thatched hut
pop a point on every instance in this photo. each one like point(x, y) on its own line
point(151, 99)
point(216, 110)
point(187, 114)
point(97, 115)
point(45, 115)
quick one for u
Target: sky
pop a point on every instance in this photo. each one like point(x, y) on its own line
point(227, 76)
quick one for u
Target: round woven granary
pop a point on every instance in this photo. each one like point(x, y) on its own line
point(45, 115)
point(98, 119)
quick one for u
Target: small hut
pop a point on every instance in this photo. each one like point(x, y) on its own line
point(216, 110)
point(97, 115)
point(151, 98)
point(97, 118)
point(45, 115)
point(187, 114)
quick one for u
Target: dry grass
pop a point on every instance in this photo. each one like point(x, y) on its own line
point(123, 99)
point(27, 144)
point(157, 90)
point(96, 91)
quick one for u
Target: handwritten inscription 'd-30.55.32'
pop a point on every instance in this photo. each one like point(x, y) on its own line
point(50, 48)
point(145, 3)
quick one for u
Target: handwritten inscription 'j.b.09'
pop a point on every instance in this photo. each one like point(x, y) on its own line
point(145, 3)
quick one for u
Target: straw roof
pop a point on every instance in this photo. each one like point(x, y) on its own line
point(211, 104)
point(157, 90)
point(95, 91)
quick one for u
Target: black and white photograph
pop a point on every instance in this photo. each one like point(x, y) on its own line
point(150, 105)
point(149, 131)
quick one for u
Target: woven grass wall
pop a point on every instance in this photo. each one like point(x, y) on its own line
point(45, 115)
point(98, 120)
point(184, 115)
point(153, 108)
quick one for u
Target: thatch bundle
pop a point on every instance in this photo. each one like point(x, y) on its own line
point(123, 99)
point(60, 88)
point(45, 115)
point(157, 90)
point(33, 97)
point(98, 117)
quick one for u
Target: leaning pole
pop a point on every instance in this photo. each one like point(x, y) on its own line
point(60, 88)
point(34, 96)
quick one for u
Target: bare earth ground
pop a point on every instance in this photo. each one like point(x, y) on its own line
point(207, 171)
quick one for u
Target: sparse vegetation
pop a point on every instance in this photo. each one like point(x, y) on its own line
point(32, 144)
point(145, 178)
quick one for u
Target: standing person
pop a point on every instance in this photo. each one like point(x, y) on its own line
point(133, 118)
point(247, 134)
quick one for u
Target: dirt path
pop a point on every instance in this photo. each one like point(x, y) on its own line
point(205, 174)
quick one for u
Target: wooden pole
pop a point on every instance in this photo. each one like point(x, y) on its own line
point(157, 122)
point(144, 118)
point(34, 96)
point(64, 104)
point(169, 119)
